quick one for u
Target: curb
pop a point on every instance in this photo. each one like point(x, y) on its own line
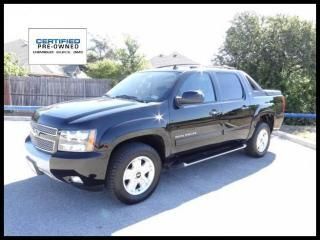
point(17, 118)
point(295, 139)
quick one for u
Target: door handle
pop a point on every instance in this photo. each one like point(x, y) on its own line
point(214, 112)
point(244, 107)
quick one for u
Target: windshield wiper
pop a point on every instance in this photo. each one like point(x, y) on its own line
point(129, 97)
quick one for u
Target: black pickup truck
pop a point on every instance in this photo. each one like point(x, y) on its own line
point(160, 118)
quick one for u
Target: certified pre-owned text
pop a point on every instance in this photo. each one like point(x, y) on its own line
point(57, 43)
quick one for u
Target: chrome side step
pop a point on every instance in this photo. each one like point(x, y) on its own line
point(184, 164)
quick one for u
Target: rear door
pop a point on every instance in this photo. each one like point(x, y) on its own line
point(236, 114)
point(195, 125)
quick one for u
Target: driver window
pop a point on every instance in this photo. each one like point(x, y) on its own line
point(199, 82)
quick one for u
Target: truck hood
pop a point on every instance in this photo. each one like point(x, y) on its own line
point(69, 112)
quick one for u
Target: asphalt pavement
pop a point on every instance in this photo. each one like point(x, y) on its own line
point(229, 195)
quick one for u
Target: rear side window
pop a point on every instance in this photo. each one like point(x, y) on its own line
point(230, 86)
point(254, 86)
point(199, 82)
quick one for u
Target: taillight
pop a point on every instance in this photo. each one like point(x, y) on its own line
point(283, 104)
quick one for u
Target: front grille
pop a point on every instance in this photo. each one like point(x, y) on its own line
point(43, 144)
point(44, 129)
point(43, 137)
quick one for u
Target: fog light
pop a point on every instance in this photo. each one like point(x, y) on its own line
point(76, 179)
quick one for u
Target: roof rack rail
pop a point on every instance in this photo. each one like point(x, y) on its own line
point(175, 66)
point(181, 64)
point(222, 66)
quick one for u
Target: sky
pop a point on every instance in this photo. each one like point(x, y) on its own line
point(196, 31)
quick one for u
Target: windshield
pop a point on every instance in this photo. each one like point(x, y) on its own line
point(144, 86)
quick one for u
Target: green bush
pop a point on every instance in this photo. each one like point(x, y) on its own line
point(106, 68)
point(11, 66)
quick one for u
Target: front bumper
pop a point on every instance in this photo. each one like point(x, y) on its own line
point(90, 167)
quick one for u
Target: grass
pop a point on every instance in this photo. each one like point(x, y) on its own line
point(306, 132)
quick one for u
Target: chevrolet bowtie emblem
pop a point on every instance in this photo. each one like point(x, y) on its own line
point(36, 132)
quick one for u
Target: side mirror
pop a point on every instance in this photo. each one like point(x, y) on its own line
point(190, 97)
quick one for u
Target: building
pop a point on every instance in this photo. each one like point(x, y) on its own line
point(170, 60)
point(19, 49)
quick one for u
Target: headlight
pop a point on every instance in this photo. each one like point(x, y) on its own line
point(77, 141)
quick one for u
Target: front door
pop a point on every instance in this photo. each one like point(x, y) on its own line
point(196, 125)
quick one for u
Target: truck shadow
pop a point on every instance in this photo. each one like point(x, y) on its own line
point(41, 206)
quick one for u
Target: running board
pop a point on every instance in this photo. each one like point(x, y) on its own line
point(190, 163)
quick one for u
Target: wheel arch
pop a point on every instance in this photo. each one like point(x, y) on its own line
point(265, 116)
point(153, 140)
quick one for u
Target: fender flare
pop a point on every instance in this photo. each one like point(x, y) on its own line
point(256, 118)
point(117, 134)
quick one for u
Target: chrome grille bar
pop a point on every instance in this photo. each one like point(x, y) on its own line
point(45, 129)
point(44, 137)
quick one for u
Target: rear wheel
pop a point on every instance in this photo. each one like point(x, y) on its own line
point(134, 172)
point(258, 145)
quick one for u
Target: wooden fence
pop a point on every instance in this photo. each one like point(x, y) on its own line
point(43, 91)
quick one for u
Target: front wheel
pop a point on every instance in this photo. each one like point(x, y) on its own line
point(134, 172)
point(258, 144)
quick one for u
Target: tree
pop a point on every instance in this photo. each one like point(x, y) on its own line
point(100, 50)
point(125, 61)
point(279, 52)
point(106, 68)
point(11, 66)
point(129, 58)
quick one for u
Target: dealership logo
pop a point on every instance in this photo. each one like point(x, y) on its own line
point(57, 46)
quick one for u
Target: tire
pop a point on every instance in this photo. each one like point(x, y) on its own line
point(252, 148)
point(127, 176)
